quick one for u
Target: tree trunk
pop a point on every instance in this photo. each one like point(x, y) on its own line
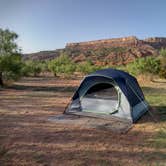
point(1, 80)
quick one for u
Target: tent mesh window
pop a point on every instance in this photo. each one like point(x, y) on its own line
point(102, 91)
point(100, 98)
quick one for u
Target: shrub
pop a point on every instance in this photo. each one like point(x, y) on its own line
point(33, 68)
point(147, 65)
point(44, 66)
point(10, 67)
point(162, 72)
point(62, 65)
point(163, 52)
point(87, 67)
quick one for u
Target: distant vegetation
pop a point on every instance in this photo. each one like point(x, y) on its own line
point(65, 66)
point(147, 65)
point(87, 67)
point(12, 66)
point(162, 72)
point(62, 65)
point(34, 68)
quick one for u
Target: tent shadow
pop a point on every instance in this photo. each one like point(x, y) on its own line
point(155, 115)
point(161, 110)
point(151, 90)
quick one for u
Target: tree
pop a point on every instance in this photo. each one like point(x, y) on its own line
point(87, 67)
point(33, 68)
point(62, 65)
point(10, 58)
point(147, 65)
point(163, 52)
point(162, 72)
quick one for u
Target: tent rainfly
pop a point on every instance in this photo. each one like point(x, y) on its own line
point(109, 92)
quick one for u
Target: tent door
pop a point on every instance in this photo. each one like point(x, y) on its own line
point(101, 98)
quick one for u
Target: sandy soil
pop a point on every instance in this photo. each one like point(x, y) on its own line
point(27, 137)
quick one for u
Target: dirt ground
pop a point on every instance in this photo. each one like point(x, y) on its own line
point(27, 137)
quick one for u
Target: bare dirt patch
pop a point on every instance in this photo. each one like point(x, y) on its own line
point(28, 138)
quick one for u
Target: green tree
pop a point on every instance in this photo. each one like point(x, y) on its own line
point(33, 68)
point(62, 65)
point(147, 65)
point(10, 58)
point(44, 66)
point(162, 72)
point(87, 67)
point(163, 52)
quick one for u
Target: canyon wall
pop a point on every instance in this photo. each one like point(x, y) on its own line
point(156, 42)
point(115, 42)
point(130, 41)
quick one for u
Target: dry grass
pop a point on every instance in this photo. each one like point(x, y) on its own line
point(28, 138)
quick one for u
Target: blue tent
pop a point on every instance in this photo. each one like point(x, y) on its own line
point(109, 92)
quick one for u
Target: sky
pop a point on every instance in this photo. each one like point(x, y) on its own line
point(50, 24)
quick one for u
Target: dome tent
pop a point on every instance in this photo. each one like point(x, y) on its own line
point(109, 92)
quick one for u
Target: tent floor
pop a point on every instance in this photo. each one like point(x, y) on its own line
point(113, 124)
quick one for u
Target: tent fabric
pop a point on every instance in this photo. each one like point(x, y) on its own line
point(130, 102)
point(125, 81)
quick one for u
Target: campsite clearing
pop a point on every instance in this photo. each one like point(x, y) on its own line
point(28, 138)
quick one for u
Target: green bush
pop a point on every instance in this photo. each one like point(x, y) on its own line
point(87, 67)
point(44, 66)
point(147, 65)
point(33, 68)
point(163, 52)
point(162, 72)
point(26, 70)
point(10, 67)
point(10, 59)
point(62, 65)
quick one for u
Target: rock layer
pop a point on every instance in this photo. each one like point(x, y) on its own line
point(113, 51)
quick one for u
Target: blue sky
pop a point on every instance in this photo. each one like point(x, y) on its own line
point(50, 24)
